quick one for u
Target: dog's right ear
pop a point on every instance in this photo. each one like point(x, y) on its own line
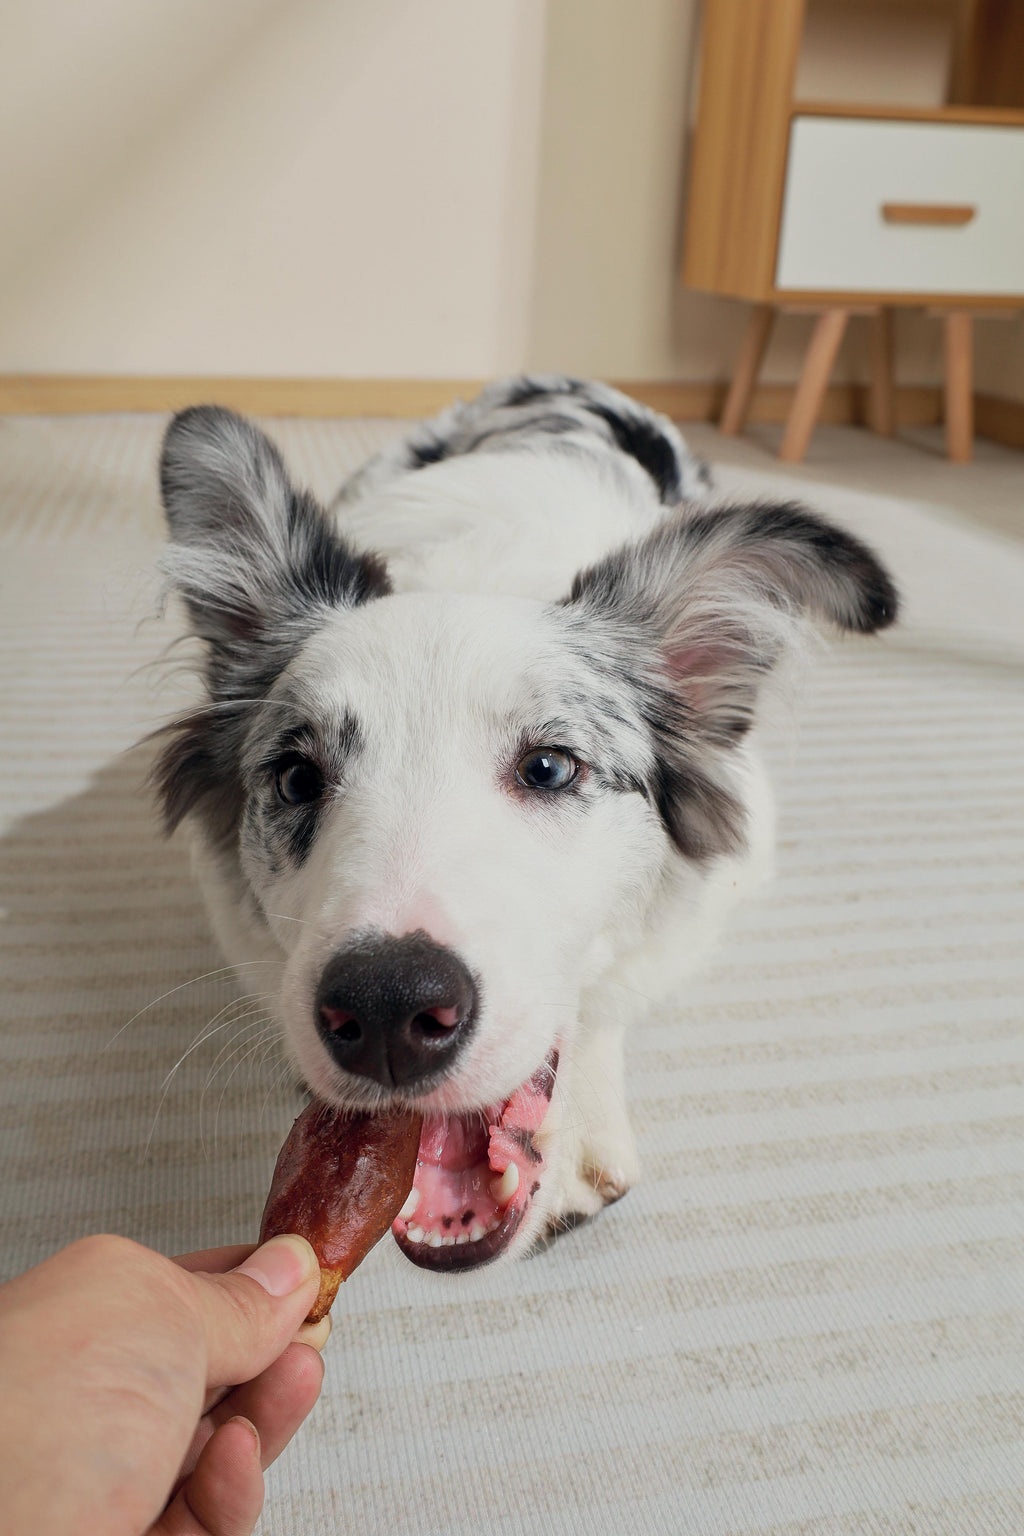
point(258, 564)
point(255, 560)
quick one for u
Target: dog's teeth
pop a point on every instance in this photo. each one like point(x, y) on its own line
point(434, 1239)
point(463, 1237)
point(504, 1188)
point(477, 1231)
point(448, 1241)
point(415, 1234)
point(410, 1205)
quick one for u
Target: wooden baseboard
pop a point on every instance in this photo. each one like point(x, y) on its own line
point(37, 394)
point(80, 394)
point(916, 404)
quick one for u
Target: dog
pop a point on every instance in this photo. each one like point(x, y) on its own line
point(476, 765)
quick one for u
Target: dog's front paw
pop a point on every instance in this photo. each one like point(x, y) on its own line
point(597, 1176)
point(597, 1158)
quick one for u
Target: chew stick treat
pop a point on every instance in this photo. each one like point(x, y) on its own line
point(339, 1182)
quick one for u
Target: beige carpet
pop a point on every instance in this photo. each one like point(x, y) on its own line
point(809, 1317)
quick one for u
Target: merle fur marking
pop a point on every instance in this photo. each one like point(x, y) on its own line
point(582, 416)
point(695, 616)
point(647, 443)
point(283, 832)
point(258, 564)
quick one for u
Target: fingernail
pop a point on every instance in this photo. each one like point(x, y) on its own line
point(250, 1426)
point(282, 1265)
point(314, 1334)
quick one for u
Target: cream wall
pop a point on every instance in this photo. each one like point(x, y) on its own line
point(619, 99)
point(269, 186)
point(365, 188)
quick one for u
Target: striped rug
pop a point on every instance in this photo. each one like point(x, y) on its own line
point(808, 1319)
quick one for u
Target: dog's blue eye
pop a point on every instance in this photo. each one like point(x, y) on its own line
point(299, 781)
point(547, 768)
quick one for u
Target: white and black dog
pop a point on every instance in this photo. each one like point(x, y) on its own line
point(476, 768)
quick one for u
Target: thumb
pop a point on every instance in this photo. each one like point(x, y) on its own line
point(251, 1315)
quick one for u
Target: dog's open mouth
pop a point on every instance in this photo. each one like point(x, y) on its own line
point(476, 1177)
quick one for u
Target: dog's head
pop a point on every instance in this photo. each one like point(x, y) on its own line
point(453, 812)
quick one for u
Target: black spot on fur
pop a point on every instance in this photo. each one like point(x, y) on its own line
point(294, 827)
point(422, 454)
point(301, 831)
point(523, 391)
point(642, 438)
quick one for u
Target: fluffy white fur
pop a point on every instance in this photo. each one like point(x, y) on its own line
point(575, 915)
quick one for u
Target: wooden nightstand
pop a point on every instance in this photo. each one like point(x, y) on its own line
point(813, 187)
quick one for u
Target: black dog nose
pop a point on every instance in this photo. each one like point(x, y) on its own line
point(395, 1010)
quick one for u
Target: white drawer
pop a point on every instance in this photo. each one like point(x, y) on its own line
point(841, 170)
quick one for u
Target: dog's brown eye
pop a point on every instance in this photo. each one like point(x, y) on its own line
point(299, 781)
point(547, 768)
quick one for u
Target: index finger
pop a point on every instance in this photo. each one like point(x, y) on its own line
point(215, 1261)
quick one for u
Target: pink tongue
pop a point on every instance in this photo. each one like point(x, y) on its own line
point(460, 1158)
point(453, 1144)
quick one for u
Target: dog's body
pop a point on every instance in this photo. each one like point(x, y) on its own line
point(487, 792)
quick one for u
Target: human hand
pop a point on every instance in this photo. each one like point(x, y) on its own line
point(143, 1396)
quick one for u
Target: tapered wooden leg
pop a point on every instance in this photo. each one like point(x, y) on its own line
point(959, 402)
point(810, 392)
point(748, 366)
point(881, 403)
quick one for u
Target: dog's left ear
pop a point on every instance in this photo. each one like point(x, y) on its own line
point(714, 598)
point(254, 558)
point(697, 613)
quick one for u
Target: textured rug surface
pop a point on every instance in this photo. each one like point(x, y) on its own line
point(808, 1319)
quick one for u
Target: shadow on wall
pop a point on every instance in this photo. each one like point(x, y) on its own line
point(104, 926)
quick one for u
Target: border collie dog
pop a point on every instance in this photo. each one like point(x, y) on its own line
point(475, 765)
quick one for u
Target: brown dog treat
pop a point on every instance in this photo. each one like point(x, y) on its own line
point(339, 1182)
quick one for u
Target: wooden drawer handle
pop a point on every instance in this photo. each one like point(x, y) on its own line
point(928, 213)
